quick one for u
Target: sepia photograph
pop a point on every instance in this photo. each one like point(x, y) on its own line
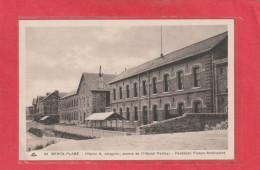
point(126, 89)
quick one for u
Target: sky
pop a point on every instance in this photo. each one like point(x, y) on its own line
point(57, 56)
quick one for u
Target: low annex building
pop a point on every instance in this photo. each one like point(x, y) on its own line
point(91, 96)
point(190, 80)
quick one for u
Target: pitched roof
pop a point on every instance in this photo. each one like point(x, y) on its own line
point(188, 51)
point(40, 98)
point(69, 94)
point(55, 92)
point(92, 80)
point(104, 116)
point(62, 94)
point(45, 117)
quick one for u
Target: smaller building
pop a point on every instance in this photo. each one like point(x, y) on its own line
point(48, 105)
point(49, 119)
point(107, 120)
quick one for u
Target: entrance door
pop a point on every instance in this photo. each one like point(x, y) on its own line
point(145, 120)
point(84, 117)
point(180, 108)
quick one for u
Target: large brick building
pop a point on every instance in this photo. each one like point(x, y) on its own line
point(91, 96)
point(48, 105)
point(192, 79)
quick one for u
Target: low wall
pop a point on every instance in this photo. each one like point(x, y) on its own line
point(78, 130)
point(187, 123)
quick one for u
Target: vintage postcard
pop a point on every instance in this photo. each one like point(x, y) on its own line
point(126, 89)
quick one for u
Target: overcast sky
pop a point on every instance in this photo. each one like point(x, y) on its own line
point(57, 56)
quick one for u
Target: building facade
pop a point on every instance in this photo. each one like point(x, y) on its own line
point(48, 105)
point(189, 80)
point(91, 96)
point(68, 108)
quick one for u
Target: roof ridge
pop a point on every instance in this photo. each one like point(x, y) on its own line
point(96, 73)
point(196, 43)
point(211, 42)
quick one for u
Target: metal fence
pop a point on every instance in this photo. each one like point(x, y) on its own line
point(78, 130)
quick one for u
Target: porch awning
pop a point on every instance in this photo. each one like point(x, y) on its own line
point(45, 117)
point(105, 116)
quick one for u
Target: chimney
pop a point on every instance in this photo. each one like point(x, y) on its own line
point(47, 94)
point(57, 91)
point(100, 79)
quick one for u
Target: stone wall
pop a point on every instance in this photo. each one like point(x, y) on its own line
point(187, 123)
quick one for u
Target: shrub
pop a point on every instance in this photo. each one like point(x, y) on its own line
point(38, 147)
point(221, 126)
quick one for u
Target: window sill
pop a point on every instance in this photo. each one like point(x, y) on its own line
point(193, 88)
point(180, 90)
point(166, 92)
point(127, 121)
point(154, 94)
point(135, 121)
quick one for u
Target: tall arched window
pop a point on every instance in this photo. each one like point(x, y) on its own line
point(127, 91)
point(136, 114)
point(114, 93)
point(197, 106)
point(155, 113)
point(154, 85)
point(135, 90)
point(165, 82)
point(144, 88)
point(180, 108)
point(167, 111)
point(180, 80)
point(121, 112)
point(127, 114)
point(120, 92)
point(196, 76)
point(145, 118)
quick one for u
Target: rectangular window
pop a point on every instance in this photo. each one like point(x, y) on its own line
point(136, 114)
point(180, 80)
point(127, 114)
point(144, 88)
